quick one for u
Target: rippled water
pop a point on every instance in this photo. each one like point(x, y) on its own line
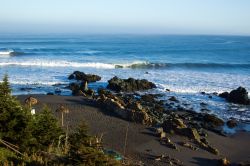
point(187, 65)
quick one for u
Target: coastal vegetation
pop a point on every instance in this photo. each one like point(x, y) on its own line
point(27, 139)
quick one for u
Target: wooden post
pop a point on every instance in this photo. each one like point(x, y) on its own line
point(62, 118)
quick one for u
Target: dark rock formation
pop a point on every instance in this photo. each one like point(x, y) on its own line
point(81, 88)
point(81, 76)
point(239, 96)
point(232, 123)
point(224, 95)
point(212, 121)
point(129, 85)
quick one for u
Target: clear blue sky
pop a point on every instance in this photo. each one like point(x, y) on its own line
point(126, 16)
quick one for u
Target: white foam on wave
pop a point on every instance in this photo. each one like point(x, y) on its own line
point(7, 53)
point(128, 65)
point(58, 64)
point(38, 83)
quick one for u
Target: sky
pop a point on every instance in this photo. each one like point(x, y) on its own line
point(225, 17)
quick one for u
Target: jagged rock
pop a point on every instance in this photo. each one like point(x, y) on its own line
point(148, 98)
point(129, 85)
point(77, 75)
point(75, 88)
point(212, 120)
point(232, 123)
point(191, 133)
point(204, 140)
point(239, 96)
point(224, 95)
point(212, 150)
point(187, 145)
point(141, 117)
point(173, 124)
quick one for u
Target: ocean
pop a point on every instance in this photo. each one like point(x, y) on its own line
point(187, 65)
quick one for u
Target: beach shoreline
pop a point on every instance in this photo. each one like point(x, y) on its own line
point(142, 144)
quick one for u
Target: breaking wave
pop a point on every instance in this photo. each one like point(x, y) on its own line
point(8, 52)
point(133, 65)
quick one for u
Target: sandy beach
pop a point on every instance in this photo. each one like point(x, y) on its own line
point(142, 144)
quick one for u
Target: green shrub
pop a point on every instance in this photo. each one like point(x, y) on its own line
point(45, 130)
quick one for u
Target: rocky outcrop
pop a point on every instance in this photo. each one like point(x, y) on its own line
point(81, 76)
point(81, 88)
point(143, 109)
point(224, 95)
point(212, 121)
point(237, 96)
point(232, 123)
point(129, 85)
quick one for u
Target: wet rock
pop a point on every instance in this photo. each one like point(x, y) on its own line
point(232, 123)
point(213, 120)
point(50, 93)
point(58, 91)
point(148, 98)
point(129, 85)
point(26, 89)
point(224, 95)
point(81, 76)
point(203, 104)
point(167, 90)
point(174, 99)
point(239, 96)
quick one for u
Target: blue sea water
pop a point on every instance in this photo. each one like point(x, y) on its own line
point(187, 65)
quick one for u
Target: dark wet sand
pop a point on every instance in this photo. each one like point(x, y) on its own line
point(141, 143)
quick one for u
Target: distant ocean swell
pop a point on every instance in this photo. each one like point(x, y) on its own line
point(133, 65)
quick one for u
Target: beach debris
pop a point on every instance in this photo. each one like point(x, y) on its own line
point(223, 162)
point(237, 96)
point(129, 85)
point(63, 110)
point(33, 111)
point(30, 101)
point(113, 153)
